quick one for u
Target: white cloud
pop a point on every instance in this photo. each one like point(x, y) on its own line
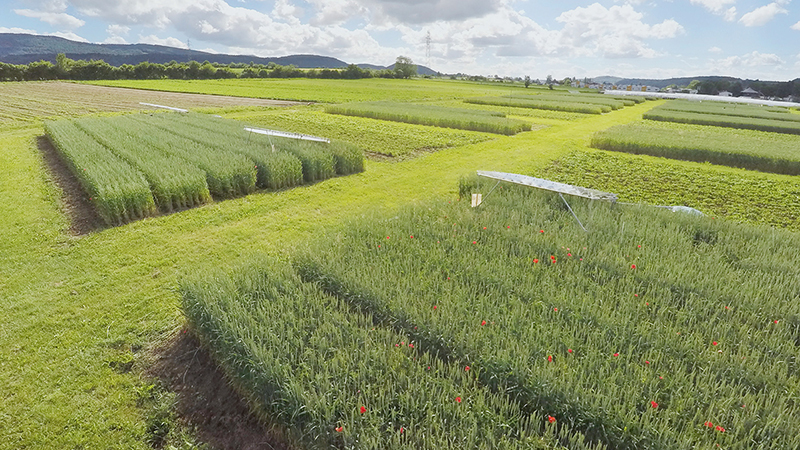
point(67, 35)
point(715, 6)
point(115, 40)
point(56, 19)
point(753, 59)
point(796, 26)
point(761, 16)
point(15, 30)
point(616, 32)
point(118, 30)
point(715, 50)
point(730, 14)
point(155, 40)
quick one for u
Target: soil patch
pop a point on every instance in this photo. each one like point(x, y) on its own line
point(75, 201)
point(207, 402)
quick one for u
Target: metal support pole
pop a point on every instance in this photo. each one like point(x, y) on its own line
point(573, 213)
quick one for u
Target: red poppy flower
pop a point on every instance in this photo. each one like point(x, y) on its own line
point(654, 404)
point(552, 257)
point(412, 236)
point(508, 226)
point(569, 350)
point(541, 231)
point(363, 410)
point(709, 424)
point(640, 246)
point(484, 228)
point(616, 354)
point(647, 362)
point(458, 399)
point(720, 429)
point(434, 306)
point(466, 369)
point(635, 295)
point(555, 309)
point(776, 321)
point(551, 419)
point(714, 343)
point(474, 242)
point(633, 266)
point(483, 322)
point(402, 430)
point(549, 358)
point(387, 237)
point(339, 429)
point(535, 260)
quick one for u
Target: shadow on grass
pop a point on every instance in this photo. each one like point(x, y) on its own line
point(207, 403)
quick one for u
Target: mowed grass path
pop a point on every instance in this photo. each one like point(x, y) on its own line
point(77, 310)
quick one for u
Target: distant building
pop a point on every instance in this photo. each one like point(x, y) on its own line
point(750, 92)
point(725, 94)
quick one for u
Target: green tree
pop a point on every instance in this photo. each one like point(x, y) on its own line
point(404, 67)
point(527, 81)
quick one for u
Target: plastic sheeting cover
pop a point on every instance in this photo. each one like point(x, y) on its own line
point(548, 185)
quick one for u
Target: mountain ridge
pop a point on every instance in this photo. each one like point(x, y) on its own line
point(18, 48)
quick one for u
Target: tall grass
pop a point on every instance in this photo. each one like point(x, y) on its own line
point(756, 150)
point(307, 362)
point(554, 105)
point(464, 119)
point(119, 192)
point(228, 174)
point(174, 182)
point(637, 334)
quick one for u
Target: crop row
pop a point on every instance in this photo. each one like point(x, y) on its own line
point(748, 123)
point(555, 105)
point(463, 119)
point(613, 103)
point(184, 160)
point(718, 191)
point(333, 379)
point(654, 330)
point(756, 150)
point(731, 109)
point(119, 192)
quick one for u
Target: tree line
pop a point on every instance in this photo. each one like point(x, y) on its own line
point(97, 69)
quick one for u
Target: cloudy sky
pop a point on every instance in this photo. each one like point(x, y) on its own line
point(755, 39)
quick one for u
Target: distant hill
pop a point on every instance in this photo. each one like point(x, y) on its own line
point(684, 81)
point(27, 48)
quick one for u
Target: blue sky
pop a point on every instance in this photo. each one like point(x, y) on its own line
point(757, 39)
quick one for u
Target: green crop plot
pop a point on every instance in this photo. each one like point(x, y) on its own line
point(731, 109)
point(376, 136)
point(439, 116)
point(119, 192)
point(634, 335)
point(184, 160)
point(532, 102)
point(352, 385)
point(715, 190)
point(756, 150)
point(764, 121)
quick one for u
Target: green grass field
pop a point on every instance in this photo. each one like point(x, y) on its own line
point(78, 310)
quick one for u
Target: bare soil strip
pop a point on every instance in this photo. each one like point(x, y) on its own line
point(206, 401)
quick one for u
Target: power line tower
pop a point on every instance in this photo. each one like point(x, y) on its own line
point(428, 49)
